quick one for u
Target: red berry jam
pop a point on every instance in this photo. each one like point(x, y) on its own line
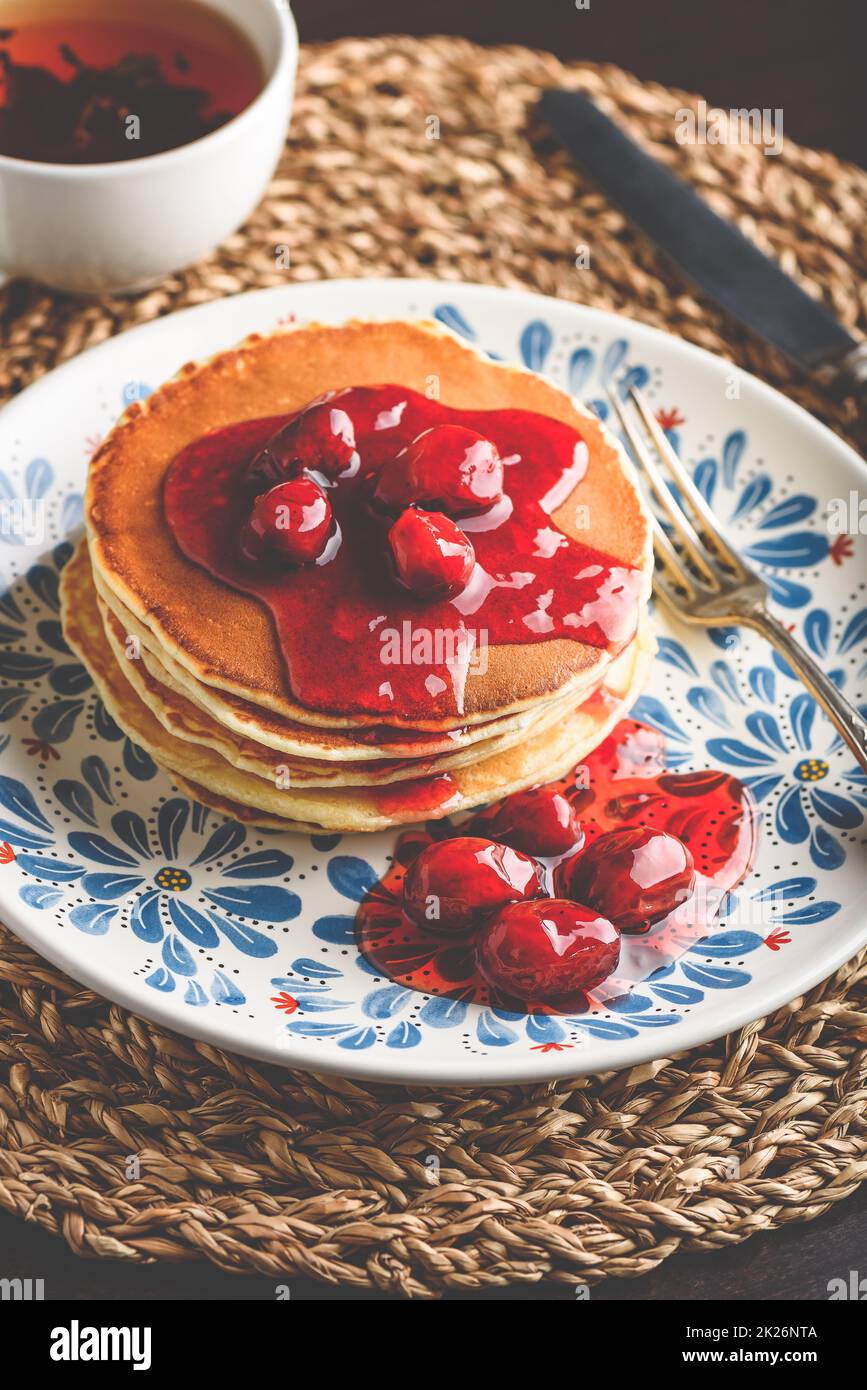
point(447, 468)
point(432, 556)
point(291, 522)
point(418, 796)
point(547, 949)
point(320, 439)
point(453, 886)
point(531, 582)
point(635, 876)
point(541, 822)
point(623, 787)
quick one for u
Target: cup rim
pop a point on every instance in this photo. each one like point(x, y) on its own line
point(126, 168)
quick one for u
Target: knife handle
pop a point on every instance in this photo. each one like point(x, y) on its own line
point(850, 373)
point(710, 251)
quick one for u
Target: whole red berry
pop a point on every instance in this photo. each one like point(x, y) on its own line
point(432, 556)
point(634, 876)
point(543, 950)
point(292, 522)
point(447, 468)
point(540, 821)
point(320, 439)
point(455, 885)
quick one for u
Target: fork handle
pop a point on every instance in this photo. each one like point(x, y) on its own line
point(851, 726)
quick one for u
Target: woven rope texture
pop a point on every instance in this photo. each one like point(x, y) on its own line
point(258, 1169)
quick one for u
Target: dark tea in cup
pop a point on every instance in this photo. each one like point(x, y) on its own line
point(100, 81)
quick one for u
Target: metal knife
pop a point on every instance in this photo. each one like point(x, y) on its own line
point(712, 252)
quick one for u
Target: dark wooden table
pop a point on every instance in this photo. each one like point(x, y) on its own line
point(796, 1262)
point(798, 55)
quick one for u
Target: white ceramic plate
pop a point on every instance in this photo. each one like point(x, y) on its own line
point(89, 823)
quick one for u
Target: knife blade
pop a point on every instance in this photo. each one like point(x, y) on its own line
point(713, 253)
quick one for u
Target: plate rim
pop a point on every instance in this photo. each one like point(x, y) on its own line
point(502, 1068)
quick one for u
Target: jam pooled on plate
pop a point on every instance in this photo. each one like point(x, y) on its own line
point(652, 856)
point(455, 885)
point(635, 876)
point(540, 821)
point(547, 949)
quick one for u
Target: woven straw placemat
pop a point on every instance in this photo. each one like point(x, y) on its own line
point(137, 1144)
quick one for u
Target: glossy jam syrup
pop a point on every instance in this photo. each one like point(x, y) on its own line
point(420, 796)
point(455, 884)
point(549, 948)
point(337, 620)
point(634, 876)
point(430, 555)
point(623, 783)
point(73, 73)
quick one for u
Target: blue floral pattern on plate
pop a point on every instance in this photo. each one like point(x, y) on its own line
point(154, 897)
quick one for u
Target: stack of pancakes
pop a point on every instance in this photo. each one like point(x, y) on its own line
point(191, 669)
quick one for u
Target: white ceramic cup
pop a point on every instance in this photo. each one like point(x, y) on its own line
point(104, 228)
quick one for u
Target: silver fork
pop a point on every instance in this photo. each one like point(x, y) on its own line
point(712, 586)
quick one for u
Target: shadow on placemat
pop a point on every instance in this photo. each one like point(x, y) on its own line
point(255, 1169)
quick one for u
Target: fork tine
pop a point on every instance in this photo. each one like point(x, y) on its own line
point(664, 549)
point(672, 600)
point(685, 483)
point(683, 527)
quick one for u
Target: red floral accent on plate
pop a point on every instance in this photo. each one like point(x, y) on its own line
point(841, 549)
point(36, 748)
point(551, 1047)
point(777, 939)
point(670, 419)
point(7, 853)
point(284, 1001)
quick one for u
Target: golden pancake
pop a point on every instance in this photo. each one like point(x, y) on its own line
point(188, 721)
point(226, 639)
point(212, 779)
point(309, 741)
